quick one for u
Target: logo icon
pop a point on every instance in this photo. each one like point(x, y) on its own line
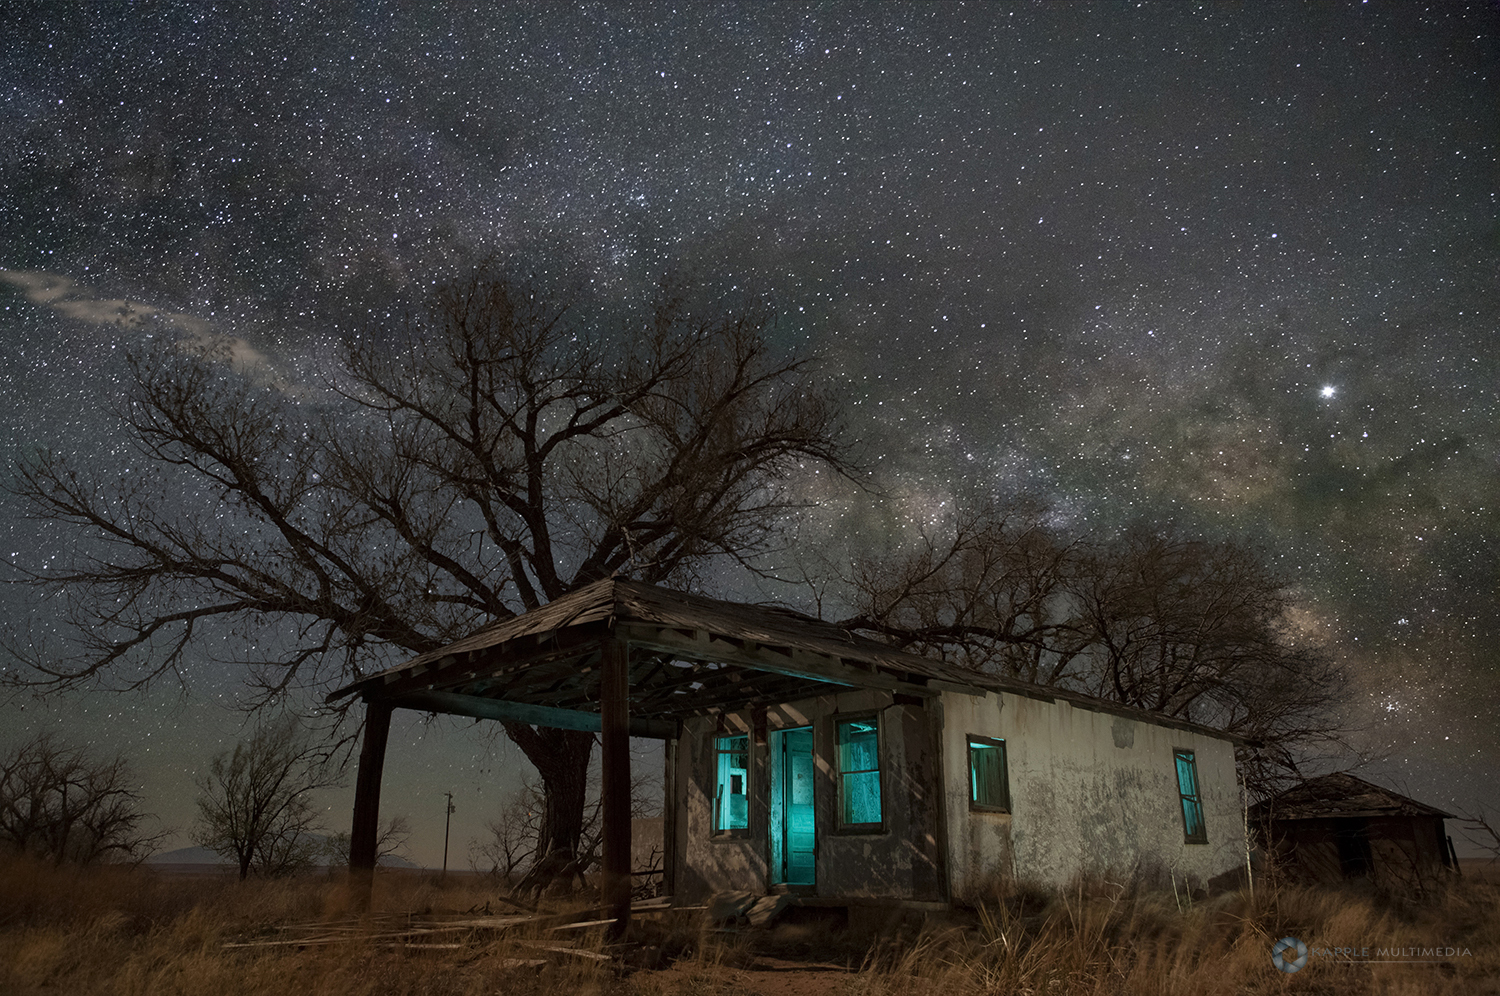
point(1289, 955)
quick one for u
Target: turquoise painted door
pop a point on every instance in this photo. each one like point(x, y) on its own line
point(794, 836)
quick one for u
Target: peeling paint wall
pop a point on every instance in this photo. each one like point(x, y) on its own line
point(903, 859)
point(705, 862)
point(1090, 792)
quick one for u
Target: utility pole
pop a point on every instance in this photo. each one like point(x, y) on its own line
point(447, 822)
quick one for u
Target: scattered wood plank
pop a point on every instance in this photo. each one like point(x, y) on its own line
point(483, 923)
point(405, 929)
point(529, 908)
point(301, 942)
point(563, 949)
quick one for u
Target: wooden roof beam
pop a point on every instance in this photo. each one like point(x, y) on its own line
point(506, 711)
point(486, 662)
point(714, 700)
point(797, 663)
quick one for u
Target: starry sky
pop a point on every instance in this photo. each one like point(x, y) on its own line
point(1228, 266)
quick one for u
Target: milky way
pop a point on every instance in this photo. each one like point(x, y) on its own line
point(1230, 267)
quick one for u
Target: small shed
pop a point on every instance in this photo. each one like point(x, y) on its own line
point(805, 760)
point(1339, 826)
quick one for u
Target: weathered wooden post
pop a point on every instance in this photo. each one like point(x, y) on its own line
point(669, 819)
point(365, 830)
point(614, 717)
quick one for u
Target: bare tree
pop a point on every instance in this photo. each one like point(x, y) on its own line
point(1200, 631)
point(1482, 831)
point(391, 841)
point(989, 592)
point(66, 803)
point(511, 836)
point(254, 804)
point(514, 834)
point(1181, 627)
point(501, 449)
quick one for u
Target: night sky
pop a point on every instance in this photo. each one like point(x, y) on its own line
point(1228, 266)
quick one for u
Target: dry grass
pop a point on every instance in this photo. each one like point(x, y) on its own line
point(1102, 940)
point(112, 930)
point(125, 931)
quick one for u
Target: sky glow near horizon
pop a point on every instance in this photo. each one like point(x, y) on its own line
point(1230, 268)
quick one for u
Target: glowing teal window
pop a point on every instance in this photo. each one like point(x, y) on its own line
point(732, 795)
point(989, 785)
point(858, 743)
point(1194, 832)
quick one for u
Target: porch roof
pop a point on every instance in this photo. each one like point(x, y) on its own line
point(1340, 794)
point(691, 655)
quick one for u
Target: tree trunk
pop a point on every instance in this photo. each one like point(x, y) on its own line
point(561, 758)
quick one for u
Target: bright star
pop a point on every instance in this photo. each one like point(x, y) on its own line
point(1328, 391)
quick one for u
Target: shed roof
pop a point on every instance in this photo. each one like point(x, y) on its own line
point(693, 655)
point(1340, 795)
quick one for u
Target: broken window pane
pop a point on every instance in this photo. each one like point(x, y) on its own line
point(1194, 831)
point(989, 786)
point(859, 770)
point(732, 795)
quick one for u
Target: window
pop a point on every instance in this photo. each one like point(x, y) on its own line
point(989, 785)
point(1193, 830)
point(858, 743)
point(732, 791)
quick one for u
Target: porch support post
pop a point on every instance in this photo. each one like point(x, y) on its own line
point(669, 820)
point(614, 713)
point(365, 829)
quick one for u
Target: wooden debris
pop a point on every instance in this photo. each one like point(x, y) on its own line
point(483, 923)
point(420, 933)
point(563, 949)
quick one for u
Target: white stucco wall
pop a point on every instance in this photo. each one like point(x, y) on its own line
point(1091, 792)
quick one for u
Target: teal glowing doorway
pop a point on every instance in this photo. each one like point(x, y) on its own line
point(794, 837)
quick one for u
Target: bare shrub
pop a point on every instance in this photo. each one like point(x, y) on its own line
point(67, 803)
point(254, 804)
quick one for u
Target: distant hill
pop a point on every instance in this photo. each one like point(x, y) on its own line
point(397, 861)
point(188, 856)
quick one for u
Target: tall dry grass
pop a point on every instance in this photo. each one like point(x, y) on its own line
point(130, 931)
point(1105, 940)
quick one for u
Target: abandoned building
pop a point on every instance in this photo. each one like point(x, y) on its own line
point(803, 759)
point(1338, 827)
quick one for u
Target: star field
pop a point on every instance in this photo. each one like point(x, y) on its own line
point(1232, 267)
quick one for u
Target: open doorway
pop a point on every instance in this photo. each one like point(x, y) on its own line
point(793, 828)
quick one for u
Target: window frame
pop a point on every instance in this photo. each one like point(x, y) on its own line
point(715, 753)
point(1186, 799)
point(839, 774)
point(986, 743)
